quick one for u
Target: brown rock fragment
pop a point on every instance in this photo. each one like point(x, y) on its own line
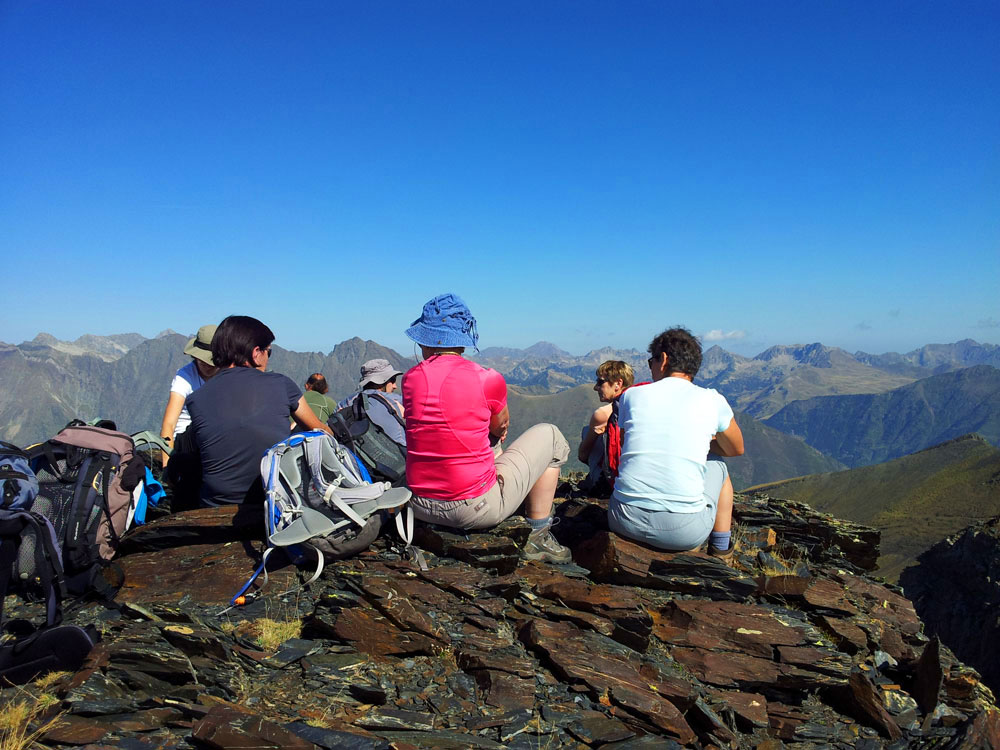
point(861, 699)
point(823, 593)
point(928, 676)
point(76, 730)
point(845, 634)
point(614, 559)
point(609, 671)
point(784, 719)
point(505, 690)
point(750, 707)
point(225, 729)
point(984, 732)
point(377, 636)
point(747, 628)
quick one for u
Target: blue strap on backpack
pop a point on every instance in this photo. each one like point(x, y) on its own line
point(18, 483)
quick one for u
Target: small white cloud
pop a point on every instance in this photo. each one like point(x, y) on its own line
point(719, 335)
point(988, 323)
point(864, 325)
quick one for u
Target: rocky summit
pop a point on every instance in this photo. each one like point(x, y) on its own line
point(793, 646)
point(955, 586)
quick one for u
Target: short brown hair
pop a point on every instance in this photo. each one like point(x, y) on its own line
point(615, 369)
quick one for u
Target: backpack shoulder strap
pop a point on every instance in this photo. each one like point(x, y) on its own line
point(391, 407)
point(48, 561)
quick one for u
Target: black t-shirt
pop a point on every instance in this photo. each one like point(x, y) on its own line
point(236, 416)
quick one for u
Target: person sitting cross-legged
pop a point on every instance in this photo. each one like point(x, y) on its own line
point(455, 412)
point(613, 377)
point(670, 493)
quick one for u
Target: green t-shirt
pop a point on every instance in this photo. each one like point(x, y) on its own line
point(321, 404)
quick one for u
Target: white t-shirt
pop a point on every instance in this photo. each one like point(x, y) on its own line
point(186, 381)
point(668, 427)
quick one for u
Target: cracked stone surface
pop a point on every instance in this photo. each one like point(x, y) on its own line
point(628, 647)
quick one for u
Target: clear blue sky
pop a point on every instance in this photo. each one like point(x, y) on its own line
point(583, 173)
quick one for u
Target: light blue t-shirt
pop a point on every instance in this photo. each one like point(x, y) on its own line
point(668, 427)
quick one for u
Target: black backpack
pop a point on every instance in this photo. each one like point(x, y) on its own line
point(384, 458)
point(87, 477)
point(36, 650)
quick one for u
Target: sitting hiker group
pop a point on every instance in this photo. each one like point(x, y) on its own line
point(652, 444)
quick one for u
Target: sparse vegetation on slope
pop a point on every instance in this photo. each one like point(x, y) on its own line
point(915, 501)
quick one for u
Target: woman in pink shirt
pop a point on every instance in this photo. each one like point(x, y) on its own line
point(456, 412)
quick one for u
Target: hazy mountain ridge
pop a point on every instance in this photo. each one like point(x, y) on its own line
point(867, 429)
point(108, 348)
point(759, 385)
point(545, 368)
point(42, 388)
point(938, 358)
point(915, 500)
point(762, 385)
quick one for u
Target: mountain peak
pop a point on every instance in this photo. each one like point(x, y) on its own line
point(544, 349)
point(46, 339)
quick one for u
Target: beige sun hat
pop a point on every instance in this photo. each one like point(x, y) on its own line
point(377, 371)
point(200, 347)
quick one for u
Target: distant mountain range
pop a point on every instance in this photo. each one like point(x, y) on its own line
point(916, 500)
point(46, 382)
point(759, 385)
point(42, 387)
point(868, 429)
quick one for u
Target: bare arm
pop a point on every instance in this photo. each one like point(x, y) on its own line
point(729, 442)
point(499, 424)
point(170, 416)
point(598, 426)
point(306, 417)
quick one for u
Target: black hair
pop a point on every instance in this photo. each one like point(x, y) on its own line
point(236, 338)
point(682, 349)
point(372, 385)
point(318, 383)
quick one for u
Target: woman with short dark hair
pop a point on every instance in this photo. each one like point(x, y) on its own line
point(242, 412)
point(670, 492)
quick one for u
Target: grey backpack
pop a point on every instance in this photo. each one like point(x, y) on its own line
point(320, 504)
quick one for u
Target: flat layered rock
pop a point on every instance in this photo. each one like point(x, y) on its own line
point(614, 559)
point(645, 694)
point(632, 648)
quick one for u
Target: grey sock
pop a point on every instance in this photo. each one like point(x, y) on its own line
point(537, 524)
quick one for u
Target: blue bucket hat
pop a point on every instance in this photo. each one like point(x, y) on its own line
point(445, 321)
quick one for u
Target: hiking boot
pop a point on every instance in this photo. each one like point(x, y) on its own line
point(724, 555)
point(541, 545)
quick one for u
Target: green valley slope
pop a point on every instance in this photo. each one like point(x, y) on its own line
point(868, 429)
point(916, 500)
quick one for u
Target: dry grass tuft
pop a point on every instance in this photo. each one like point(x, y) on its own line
point(21, 725)
point(47, 681)
point(269, 634)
